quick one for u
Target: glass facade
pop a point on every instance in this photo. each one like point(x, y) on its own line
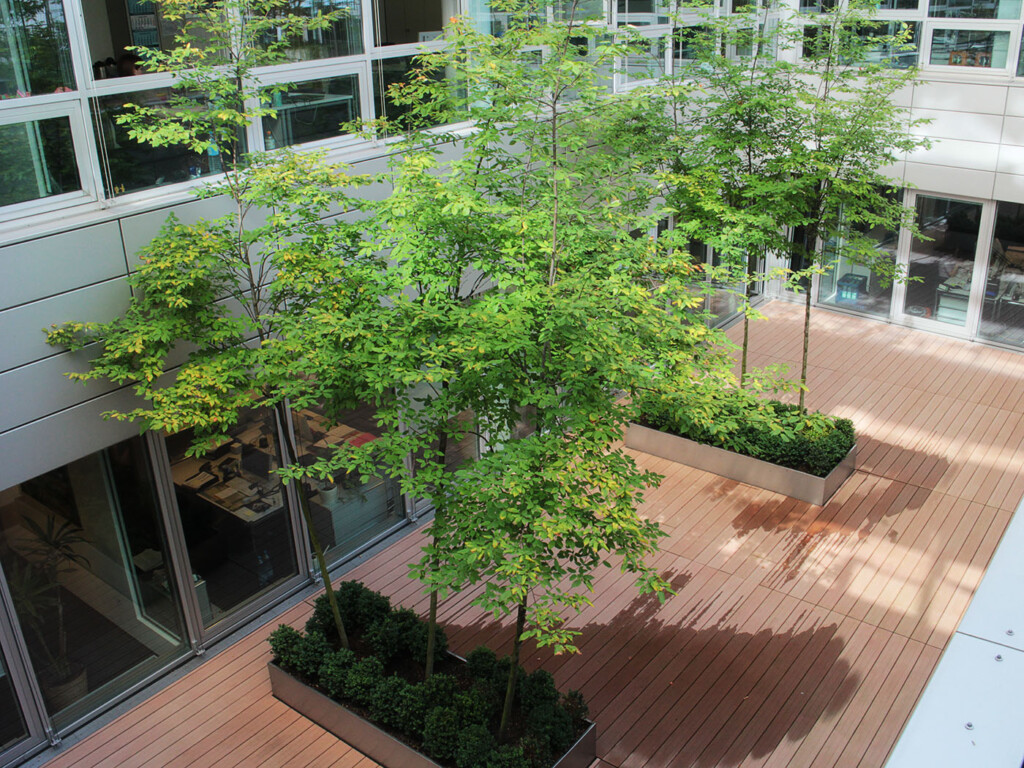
point(37, 160)
point(1002, 311)
point(941, 267)
point(234, 516)
point(347, 510)
point(12, 721)
point(87, 564)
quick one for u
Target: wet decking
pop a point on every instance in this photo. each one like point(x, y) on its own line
point(798, 635)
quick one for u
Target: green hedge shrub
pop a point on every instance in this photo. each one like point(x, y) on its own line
point(764, 429)
point(453, 718)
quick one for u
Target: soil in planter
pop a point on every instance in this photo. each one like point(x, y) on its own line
point(452, 718)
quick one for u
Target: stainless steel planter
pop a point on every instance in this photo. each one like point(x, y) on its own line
point(377, 744)
point(771, 477)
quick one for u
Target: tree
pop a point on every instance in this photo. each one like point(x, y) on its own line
point(778, 142)
point(852, 127)
point(229, 290)
point(579, 311)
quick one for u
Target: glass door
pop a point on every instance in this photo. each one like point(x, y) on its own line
point(20, 728)
point(942, 290)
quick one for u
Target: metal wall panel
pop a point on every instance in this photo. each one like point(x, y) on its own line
point(49, 266)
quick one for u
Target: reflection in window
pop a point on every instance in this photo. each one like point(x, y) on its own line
point(85, 557)
point(1002, 311)
point(311, 111)
point(37, 160)
point(129, 165)
point(1020, 58)
point(973, 9)
point(347, 510)
point(233, 514)
point(969, 48)
point(941, 267)
point(35, 57)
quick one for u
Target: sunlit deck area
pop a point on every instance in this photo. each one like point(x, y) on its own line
point(798, 635)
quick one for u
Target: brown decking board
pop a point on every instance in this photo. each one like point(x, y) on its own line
point(799, 635)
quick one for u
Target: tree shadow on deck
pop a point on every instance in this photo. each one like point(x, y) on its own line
point(703, 683)
point(812, 535)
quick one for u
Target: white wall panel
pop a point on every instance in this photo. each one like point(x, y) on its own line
point(971, 155)
point(947, 124)
point(21, 328)
point(1009, 187)
point(1013, 131)
point(961, 97)
point(41, 389)
point(942, 180)
point(1015, 102)
point(54, 441)
point(48, 266)
point(1011, 159)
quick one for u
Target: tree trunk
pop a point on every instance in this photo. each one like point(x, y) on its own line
point(807, 338)
point(431, 636)
point(513, 673)
point(318, 552)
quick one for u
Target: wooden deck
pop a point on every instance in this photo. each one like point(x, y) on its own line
point(799, 635)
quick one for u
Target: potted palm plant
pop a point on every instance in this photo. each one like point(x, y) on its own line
point(49, 551)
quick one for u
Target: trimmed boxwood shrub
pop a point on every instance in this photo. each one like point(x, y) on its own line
point(453, 718)
point(763, 429)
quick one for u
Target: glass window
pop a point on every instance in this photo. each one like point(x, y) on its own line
point(579, 10)
point(344, 37)
point(388, 72)
point(941, 267)
point(12, 723)
point(37, 160)
point(237, 527)
point(1002, 310)
point(896, 54)
point(399, 22)
point(816, 6)
point(312, 110)
point(641, 13)
point(347, 510)
point(129, 165)
point(974, 9)
point(686, 42)
point(1020, 57)
point(646, 62)
point(86, 560)
point(35, 57)
point(897, 5)
point(969, 48)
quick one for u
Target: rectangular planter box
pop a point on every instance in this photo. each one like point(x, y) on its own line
point(377, 744)
point(761, 474)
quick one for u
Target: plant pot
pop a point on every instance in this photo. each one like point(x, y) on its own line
point(744, 469)
point(63, 693)
point(378, 744)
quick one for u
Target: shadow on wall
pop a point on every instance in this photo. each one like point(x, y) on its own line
point(681, 684)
